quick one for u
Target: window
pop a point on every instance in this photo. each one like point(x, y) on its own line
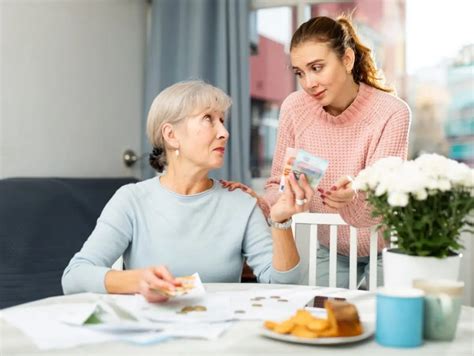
point(270, 83)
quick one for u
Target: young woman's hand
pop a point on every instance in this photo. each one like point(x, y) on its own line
point(154, 279)
point(295, 199)
point(231, 185)
point(262, 204)
point(340, 194)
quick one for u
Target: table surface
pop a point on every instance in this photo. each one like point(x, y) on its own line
point(243, 338)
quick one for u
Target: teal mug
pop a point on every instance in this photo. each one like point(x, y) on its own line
point(399, 317)
point(443, 300)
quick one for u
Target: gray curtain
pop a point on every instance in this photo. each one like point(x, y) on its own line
point(209, 40)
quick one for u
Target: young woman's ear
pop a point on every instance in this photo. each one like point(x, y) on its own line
point(348, 59)
point(169, 136)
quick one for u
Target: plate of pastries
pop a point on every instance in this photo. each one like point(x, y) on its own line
point(342, 325)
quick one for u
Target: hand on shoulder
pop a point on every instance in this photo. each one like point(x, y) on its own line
point(262, 204)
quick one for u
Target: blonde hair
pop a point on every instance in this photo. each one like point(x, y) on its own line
point(176, 103)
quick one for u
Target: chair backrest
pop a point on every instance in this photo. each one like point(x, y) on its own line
point(333, 221)
point(43, 222)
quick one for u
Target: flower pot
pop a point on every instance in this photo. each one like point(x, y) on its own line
point(399, 269)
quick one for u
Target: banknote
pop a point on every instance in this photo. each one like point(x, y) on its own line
point(311, 166)
point(288, 160)
point(301, 162)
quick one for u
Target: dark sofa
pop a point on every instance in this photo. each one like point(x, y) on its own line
point(43, 222)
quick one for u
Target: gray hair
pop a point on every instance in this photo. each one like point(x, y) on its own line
point(175, 104)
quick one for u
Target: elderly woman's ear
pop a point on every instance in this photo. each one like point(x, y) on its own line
point(169, 136)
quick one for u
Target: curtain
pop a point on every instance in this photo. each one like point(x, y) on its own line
point(208, 40)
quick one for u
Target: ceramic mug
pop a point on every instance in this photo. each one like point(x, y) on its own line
point(399, 320)
point(443, 300)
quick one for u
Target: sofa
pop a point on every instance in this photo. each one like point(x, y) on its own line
point(43, 222)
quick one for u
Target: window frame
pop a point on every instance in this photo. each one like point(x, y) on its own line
point(301, 6)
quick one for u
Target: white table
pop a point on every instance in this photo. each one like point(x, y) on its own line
point(241, 339)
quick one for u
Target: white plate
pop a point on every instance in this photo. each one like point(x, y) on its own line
point(368, 332)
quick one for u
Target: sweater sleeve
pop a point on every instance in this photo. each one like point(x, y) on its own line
point(107, 242)
point(285, 139)
point(258, 250)
point(393, 141)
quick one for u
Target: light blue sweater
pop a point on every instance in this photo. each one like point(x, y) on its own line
point(210, 233)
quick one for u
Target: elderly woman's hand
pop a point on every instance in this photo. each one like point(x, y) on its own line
point(340, 194)
point(154, 279)
point(262, 204)
point(295, 199)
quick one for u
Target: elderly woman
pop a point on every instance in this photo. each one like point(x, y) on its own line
point(182, 219)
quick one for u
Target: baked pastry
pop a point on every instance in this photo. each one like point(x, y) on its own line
point(343, 319)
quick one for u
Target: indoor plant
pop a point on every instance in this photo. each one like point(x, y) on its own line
point(423, 206)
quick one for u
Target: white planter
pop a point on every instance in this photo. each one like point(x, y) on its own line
point(399, 270)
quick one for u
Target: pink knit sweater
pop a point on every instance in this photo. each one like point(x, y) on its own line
point(374, 126)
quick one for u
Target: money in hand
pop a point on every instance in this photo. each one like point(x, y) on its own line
point(300, 162)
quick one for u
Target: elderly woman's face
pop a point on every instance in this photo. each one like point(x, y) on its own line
point(203, 139)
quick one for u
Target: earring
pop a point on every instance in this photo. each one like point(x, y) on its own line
point(177, 153)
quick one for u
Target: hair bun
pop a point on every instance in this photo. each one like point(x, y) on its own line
point(156, 159)
point(157, 151)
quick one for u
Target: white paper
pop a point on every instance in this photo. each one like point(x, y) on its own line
point(78, 314)
point(254, 304)
point(43, 326)
point(267, 304)
point(217, 308)
point(208, 331)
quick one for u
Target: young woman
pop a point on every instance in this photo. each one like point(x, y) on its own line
point(182, 219)
point(344, 115)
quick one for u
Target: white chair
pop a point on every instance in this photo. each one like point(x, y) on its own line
point(335, 220)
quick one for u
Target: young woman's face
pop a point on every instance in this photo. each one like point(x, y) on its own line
point(203, 139)
point(319, 71)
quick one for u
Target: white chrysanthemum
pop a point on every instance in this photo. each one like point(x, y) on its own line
point(367, 179)
point(470, 180)
point(421, 194)
point(360, 182)
point(371, 177)
point(398, 199)
point(388, 163)
point(426, 175)
point(408, 179)
point(433, 165)
point(444, 185)
point(381, 190)
point(460, 174)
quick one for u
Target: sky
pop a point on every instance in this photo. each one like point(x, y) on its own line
point(435, 29)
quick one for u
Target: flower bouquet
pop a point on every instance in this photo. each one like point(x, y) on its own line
point(424, 204)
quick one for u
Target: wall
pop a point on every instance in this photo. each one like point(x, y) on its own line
point(71, 86)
